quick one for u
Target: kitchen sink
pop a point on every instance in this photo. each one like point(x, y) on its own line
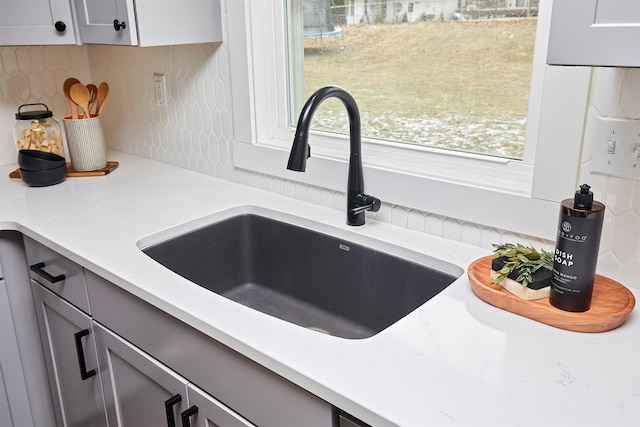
point(331, 281)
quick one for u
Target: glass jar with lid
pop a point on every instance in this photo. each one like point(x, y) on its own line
point(37, 130)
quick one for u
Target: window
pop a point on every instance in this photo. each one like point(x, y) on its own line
point(440, 75)
point(501, 192)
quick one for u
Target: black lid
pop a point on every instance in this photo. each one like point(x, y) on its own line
point(583, 198)
point(34, 114)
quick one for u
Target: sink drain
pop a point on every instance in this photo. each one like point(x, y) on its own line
point(323, 331)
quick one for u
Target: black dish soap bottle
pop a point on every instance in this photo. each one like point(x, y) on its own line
point(576, 252)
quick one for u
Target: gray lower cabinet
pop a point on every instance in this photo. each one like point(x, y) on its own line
point(140, 391)
point(71, 359)
point(244, 387)
point(12, 387)
point(114, 359)
point(25, 399)
point(209, 411)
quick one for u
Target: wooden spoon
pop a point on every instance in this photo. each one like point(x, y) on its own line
point(66, 89)
point(81, 96)
point(93, 90)
point(103, 95)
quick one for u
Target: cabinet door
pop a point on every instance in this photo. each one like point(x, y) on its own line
point(249, 389)
point(14, 400)
point(209, 412)
point(139, 391)
point(71, 360)
point(595, 33)
point(36, 22)
point(107, 22)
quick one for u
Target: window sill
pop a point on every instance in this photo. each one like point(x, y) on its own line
point(475, 198)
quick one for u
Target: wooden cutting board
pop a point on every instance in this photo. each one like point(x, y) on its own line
point(611, 303)
point(73, 173)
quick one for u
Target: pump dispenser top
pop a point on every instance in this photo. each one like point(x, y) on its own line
point(583, 198)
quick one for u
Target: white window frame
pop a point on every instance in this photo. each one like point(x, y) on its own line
point(521, 196)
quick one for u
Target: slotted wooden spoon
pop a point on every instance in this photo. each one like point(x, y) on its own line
point(93, 90)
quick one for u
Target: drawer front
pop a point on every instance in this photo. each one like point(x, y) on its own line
point(61, 276)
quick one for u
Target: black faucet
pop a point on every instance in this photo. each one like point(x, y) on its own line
point(357, 201)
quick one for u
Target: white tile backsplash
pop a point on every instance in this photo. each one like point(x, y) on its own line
point(615, 92)
point(195, 132)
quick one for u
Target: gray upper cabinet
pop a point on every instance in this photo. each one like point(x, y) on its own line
point(111, 22)
point(106, 22)
point(148, 22)
point(37, 22)
point(595, 33)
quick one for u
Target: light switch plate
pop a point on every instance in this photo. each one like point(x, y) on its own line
point(616, 147)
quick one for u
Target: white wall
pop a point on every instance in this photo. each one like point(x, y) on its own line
point(195, 132)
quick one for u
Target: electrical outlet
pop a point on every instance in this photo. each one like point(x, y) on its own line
point(160, 90)
point(616, 147)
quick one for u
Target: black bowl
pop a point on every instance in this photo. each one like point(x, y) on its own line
point(45, 177)
point(36, 160)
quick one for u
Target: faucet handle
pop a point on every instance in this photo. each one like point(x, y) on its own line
point(364, 202)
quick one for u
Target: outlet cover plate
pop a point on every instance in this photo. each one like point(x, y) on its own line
point(160, 90)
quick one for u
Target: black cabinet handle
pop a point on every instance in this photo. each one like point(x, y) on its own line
point(168, 408)
point(188, 414)
point(60, 26)
point(39, 270)
point(80, 352)
point(117, 25)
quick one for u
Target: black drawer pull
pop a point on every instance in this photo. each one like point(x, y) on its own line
point(39, 270)
point(168, 408)
point(80, 352)
point(186, 422)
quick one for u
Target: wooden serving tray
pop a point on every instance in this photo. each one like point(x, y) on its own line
point(111, 166)
point(610, 305)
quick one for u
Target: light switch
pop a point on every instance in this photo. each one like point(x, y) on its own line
point(616, 147)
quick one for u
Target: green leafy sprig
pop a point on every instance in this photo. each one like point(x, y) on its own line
point(525, 259)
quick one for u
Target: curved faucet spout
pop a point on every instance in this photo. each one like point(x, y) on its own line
point(300, 150)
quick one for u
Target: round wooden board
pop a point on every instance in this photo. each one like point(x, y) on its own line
point(610, 305)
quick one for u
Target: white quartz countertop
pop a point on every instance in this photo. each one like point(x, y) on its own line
point(454, 361)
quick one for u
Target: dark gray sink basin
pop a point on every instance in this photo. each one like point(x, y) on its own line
point(302, 276)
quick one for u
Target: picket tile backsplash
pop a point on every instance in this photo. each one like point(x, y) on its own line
point(195, 132)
